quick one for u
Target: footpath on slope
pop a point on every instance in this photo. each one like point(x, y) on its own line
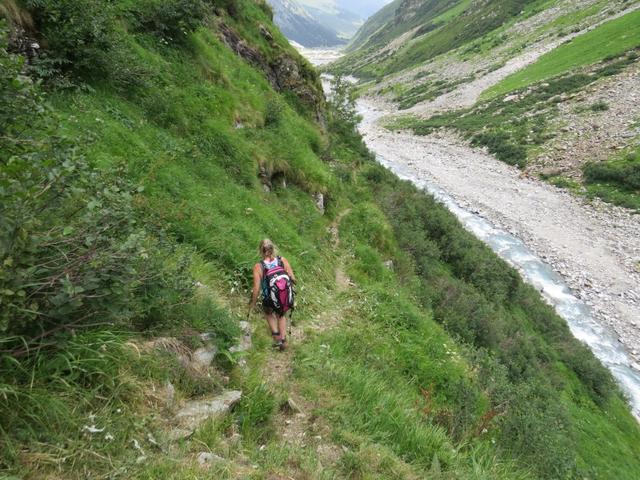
point(296, 424)
point(594, 246)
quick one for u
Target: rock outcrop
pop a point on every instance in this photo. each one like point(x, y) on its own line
point(285, 72)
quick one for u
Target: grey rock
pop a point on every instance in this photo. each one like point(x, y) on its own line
point(290, 406)
point(206, 459)
point(245, 343)
point(196, 412)
point(319, 199)
point(203, 357)
point(169, 394)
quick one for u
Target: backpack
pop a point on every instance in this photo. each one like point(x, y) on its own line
point(277, 288)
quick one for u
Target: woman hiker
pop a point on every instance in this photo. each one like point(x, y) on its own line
point(273, 277)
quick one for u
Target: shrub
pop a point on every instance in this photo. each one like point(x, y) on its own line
point(273, 112)
point(625, 173)
point(72, 249)
point(599, 107)
point(170, 20)
point(501, 145)
point(79, 36)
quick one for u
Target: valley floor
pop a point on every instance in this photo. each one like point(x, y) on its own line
point(593, 245)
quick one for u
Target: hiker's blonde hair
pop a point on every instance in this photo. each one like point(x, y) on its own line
point(267, 248)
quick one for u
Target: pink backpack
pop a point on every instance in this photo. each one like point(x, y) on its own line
point(277, 288)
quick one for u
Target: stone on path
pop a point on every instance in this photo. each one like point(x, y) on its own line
point(203, 357)
point(245, 339)
point(196, 412)
point(206, 459)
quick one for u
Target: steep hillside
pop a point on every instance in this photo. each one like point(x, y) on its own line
point(428, 64)
point(373, 24)
point(145, 149)
point(303, 27)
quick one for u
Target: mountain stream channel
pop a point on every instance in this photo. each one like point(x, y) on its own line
point(608, 325)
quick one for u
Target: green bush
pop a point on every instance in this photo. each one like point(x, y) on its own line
point(171, 20)
point(624, 173)
point(599, 107)
point(72, 249)
point(501, 145)
point(79, 36)
point(484, 303)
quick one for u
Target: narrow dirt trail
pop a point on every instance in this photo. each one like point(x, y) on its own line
point(296, 423)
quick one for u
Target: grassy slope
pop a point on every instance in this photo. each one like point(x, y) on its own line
point(608, 40)
point(373, 24)
point(178, 138)
point(444, 26)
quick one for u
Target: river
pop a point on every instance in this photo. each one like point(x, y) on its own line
point(587, 327)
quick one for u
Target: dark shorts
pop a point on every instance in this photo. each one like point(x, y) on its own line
point(268, 309)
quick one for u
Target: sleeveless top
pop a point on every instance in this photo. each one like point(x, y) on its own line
point(272, 264)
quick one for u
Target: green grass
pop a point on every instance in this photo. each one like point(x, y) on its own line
point(423, 358)
point(510, 128)
point(616, 181)
point(611, 39)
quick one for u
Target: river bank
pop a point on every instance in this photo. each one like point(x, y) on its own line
point(593, 245)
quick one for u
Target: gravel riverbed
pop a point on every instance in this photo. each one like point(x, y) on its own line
point(594, 246)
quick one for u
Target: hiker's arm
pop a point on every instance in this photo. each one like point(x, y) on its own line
point(257, 278)
point(288, 269)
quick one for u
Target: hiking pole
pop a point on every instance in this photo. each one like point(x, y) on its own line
point(290, 322)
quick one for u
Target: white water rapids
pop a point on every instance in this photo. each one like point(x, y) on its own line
point(584, 326)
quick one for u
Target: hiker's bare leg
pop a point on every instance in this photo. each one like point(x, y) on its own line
point(282, 324)
point(271, 320)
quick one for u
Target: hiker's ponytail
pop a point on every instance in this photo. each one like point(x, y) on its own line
point(267, 248)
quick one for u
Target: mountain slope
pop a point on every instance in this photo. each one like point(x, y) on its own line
point(586, 49)
point(373, 24)
point(345, 22)
point(300, 26)
point(157, 147)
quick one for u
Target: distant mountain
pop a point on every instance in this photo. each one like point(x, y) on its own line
point(344, 22)
point(362, 8)
point(323, 23)
point(300, 26)
point(381, 18)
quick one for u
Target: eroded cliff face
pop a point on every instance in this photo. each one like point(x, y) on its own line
point(285, 71)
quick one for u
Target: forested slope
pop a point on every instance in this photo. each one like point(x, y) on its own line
point(145, 149)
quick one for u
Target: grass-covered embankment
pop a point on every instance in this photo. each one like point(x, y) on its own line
point(609, 40)
point(431, 29)
point(512, 126)
point(137, 169)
